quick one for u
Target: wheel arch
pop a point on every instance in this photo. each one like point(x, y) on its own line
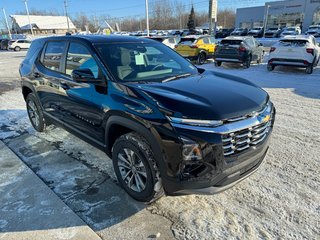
point(119, 125)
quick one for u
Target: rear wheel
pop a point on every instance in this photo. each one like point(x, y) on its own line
point(270, 67)
point(309, 69)
point(135, 167)
point(217, 63)
point(35, 113)
point(17, 49)
point(202, 58)
point(247, 63)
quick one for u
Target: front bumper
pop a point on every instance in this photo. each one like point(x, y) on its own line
point(217, 171)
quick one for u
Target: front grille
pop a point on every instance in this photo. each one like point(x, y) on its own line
point(236, 142)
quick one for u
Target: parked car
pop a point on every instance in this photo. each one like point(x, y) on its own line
point(290, 31)
point(240, 32)
point(223, 33)
point(168, 126)
point(238, 50)
point(196, 48)
point(314, 30)
point(19, 44)
point(4, 45)
point(256, 32)
point(297, 51)
point(272, 32)
point(168, 41)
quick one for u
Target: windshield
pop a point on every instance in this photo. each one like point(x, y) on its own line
point(273, 29)
point(135, 62)
point(290, 29)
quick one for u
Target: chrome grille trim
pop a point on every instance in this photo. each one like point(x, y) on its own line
point(239, 135)
point(236, 142)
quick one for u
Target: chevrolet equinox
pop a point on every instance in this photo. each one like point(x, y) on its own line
point(168, 126)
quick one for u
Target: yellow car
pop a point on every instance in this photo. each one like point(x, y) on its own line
point(196, 48)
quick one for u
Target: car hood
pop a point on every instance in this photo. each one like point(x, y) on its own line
point(210, 95)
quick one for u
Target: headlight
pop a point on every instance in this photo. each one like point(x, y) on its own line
point(195, 122)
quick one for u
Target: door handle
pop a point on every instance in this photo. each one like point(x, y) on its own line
point(65, 86)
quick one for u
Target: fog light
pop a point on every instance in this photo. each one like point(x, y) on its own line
point(191, 152)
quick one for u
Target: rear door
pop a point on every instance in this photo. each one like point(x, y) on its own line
point(82, 106)
point(46, 77)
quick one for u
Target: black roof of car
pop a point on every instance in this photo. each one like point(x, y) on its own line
point(100, 38)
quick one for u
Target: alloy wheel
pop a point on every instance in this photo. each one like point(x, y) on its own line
point(33, 113)
point(132, 170)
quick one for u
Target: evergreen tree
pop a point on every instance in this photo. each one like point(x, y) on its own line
point(191, 22)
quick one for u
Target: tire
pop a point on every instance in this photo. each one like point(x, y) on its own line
point(270, 67)
point(135, 167)
point(17, 49)
point(217, 64)
point(35, 113)
point(247, 63)
point(309, 69)
point(202, 57)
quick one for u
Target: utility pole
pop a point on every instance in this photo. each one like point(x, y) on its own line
point(5, 17)
point(213, 7)
point(147, 18)
point(30, 25)
point(266, 20)
point(66, 10)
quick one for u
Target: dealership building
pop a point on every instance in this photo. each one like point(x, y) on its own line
point(288, 13)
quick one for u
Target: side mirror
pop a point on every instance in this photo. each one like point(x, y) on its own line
point(84, 75)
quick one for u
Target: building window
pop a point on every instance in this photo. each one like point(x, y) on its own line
point(316, 16)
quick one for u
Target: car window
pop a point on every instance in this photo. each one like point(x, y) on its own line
point(250, 42)
point(293, 42)
point(206, 40)
point(171, 40)
point(143, 61)
point(53, 54)
point(79, 57)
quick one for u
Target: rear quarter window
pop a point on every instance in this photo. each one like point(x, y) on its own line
point(52, 57)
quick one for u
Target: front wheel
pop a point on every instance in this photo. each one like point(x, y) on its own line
point(135, 167)
point(17, 49)
point(309, 69)
point(35, 113)
point(202, 58)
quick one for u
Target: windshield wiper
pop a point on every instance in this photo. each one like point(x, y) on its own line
point(177, 77)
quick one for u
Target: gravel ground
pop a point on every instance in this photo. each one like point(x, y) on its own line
point(280, 201)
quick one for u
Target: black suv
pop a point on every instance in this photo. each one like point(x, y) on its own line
point(168, 126)
point(238, 50)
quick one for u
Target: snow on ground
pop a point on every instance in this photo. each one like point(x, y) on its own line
point(279, 201)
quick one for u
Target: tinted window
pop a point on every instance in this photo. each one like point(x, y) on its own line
point(231, 42)
point(79, 57)
point(53, 54)
point(293, 42)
